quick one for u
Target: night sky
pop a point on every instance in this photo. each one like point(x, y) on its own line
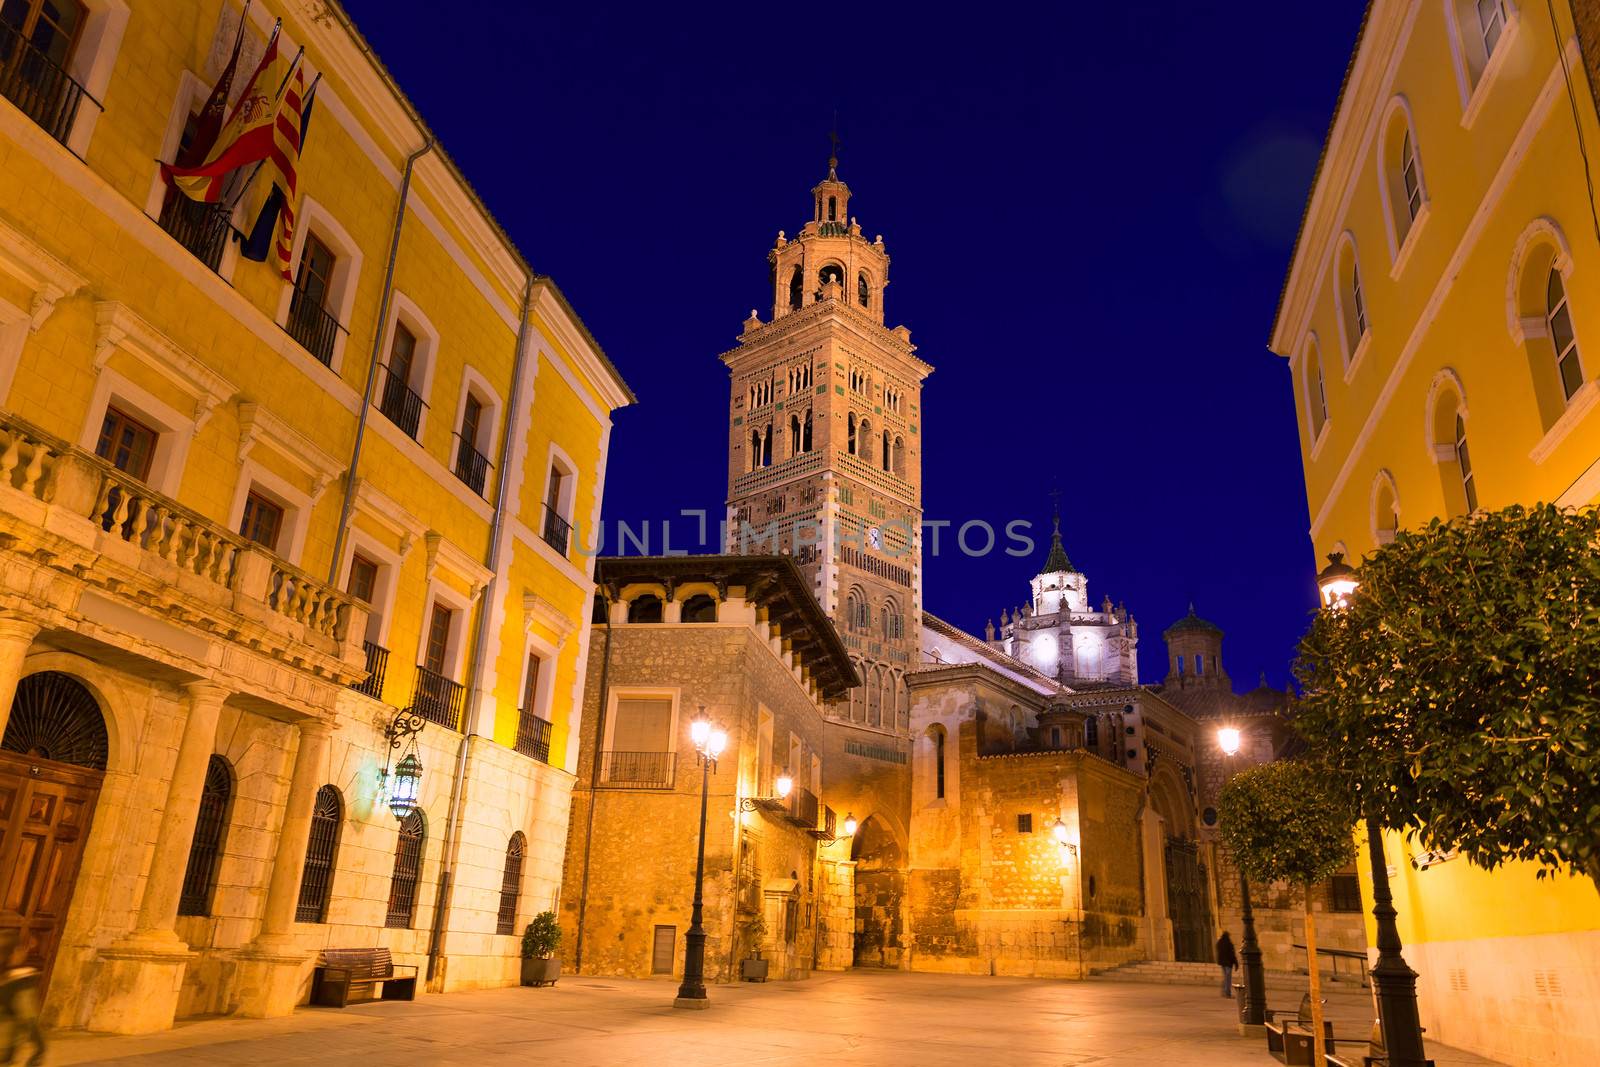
point(1090, 209)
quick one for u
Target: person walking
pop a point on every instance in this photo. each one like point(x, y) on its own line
point(19, 1001)
point(1227, 959)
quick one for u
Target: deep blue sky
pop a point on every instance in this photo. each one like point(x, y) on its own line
point(1089, 207)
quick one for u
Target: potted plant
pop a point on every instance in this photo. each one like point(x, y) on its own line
point(753, 968)
point(539, 941)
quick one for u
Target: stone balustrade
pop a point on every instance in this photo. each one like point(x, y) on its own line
point(125, 507)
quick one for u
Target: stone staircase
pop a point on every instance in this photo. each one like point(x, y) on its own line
point(1167, 972)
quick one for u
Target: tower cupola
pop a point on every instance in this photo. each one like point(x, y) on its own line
point(829, 260)
point(831, 198)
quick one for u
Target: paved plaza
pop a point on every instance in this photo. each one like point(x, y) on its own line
point(853, 1018)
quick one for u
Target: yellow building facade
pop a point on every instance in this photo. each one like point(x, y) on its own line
point(1441, 325)
point(254, 529)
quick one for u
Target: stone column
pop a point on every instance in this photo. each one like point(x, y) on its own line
point(267, 982)
point(16, 637)
point(140, 975)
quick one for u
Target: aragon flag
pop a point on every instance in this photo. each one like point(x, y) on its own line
point(273, 230)
point(208, 125)
point(246, 138)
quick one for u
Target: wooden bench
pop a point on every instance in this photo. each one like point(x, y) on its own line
point(341, 970)
point(1289, 1036)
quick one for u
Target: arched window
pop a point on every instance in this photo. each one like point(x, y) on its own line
point(511, 885)
point(888, 451)
point(850, 424)
point(1385, 508)
point(833, 209)
point(699, 608)
point(766, 446)
point(863, 291)
point(864, 439)
point(797, 282)
point(938, 763)
point(55, 717)
point(1476, 28)
point(1316, 390)
point(644, 608)
point(322, 855)
point(1400, 174)
point(900, 457)
point(407, 871)
point(1464, 465)
point(855, 610)
point(1558, 319)
point(794, 436)
point(199, 879)
point(1091, 733)
point(755, 449)
point(832, 274)
point(805, 433)
point(1351, 302)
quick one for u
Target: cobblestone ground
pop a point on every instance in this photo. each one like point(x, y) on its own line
point(855, 1018)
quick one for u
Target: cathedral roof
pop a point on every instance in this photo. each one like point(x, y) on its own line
point(1057, 560)
point(1190, 622)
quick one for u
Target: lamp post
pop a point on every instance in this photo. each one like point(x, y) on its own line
point(1253, 1007)
point(709, 741)
point(1394, 983)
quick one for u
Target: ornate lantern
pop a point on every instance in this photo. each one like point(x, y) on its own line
point(405, 786)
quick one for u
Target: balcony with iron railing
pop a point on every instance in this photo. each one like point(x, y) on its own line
point(199, 227)
point(472, 466)
point(399, 404)
point(557, 531)
point(829, 830)
point(533, 737)
point(377, 668)
point(804, 808)
point(637, 770)
point(313, 325)
point(438, 699)
point(39, 87)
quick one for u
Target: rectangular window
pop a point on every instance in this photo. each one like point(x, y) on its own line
point(471, 419)
point(1491, 22)
point(643, 724)
point(1344, 893)
point(315, 277)
point(438, 638)
point(128, 444)
point(553, 498)
point(1025, 824)
point(533, 732)
point(402, 354)
point(662, 948)
point(263, 521)
point(1199, 662)
point(363, 582)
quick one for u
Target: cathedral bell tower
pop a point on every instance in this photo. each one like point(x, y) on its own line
point(825, 446)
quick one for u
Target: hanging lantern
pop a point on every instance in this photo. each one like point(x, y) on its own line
point(406, 786)
point(849, 825)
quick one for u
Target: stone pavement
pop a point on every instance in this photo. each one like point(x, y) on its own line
point(861, 1017)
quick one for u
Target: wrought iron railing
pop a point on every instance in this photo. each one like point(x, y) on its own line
point(830, 825)
point(377, 667)
point(402, 406)
point(557, 531)
point(804, 808)
point(43, 91)
point(636, 770)
point(201, 228)
point(533, 736)
point(472, 466)
point(438, 699)
point(313, 325)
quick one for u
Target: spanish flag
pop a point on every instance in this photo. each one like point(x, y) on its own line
point(273, 231)
point(248, 137)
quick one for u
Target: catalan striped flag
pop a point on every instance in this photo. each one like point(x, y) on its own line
point(249, 135)
point(283, 164)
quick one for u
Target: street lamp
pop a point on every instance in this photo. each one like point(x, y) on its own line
point(1394, 984)
point(709, 741)
point(1253, 1005)
point(849, 825)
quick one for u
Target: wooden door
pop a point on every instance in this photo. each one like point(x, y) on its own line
point(45, 808)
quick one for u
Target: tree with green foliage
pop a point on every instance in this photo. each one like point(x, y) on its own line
point(541, 936)
point(1283, 822)
point(1456, 691)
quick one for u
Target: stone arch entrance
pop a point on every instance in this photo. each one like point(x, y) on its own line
point(52, 760)
point(879, 887)
point(1188, 904)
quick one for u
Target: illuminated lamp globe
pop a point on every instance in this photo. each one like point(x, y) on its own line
point(406, 787)
point(716, 743)
point(849, 825)
point(1228, 739)
point(1337, 582)
point(1058, 830)
point(783, 785)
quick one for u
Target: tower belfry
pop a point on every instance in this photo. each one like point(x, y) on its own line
point(825, 446)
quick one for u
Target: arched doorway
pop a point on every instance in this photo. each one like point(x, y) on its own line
point(52, 760)
point(880, 884)
point(1188, 905)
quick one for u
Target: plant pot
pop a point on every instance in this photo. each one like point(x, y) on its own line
point(754, 970)
point(538, 972)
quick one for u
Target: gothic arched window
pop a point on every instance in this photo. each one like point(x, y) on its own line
point(850, 425)
point(796, 286)
point(831, 274)
point(766, 446)
point(199, 879)
point(863, 291)
point(322, 854)
point(864, 439)
point(888, 451)
point(805, 433)
point(511, 885)
point(900, 457)
point(407, 871)
point(794, 436)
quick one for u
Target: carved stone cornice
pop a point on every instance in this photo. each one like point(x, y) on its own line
point(537, 609)
point(454, 559)
point(257, 424)
point(388, 513)
point(47, 278)
point(119, 328)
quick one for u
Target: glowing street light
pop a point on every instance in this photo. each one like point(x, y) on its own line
point(1058, 830)
point(783, 785)
point(849, 825)
point(709, 741)
point(1228, 739)
point(1337, 582)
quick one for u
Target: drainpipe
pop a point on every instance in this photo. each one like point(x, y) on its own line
point(594, 791)
point(450, 852)
point(341, 531)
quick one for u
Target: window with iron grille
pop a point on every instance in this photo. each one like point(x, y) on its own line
point(206, 849)
point(1025, 824)
point(511, 884)
point(1344, 892)
point(407, 871)
point(322, 854)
